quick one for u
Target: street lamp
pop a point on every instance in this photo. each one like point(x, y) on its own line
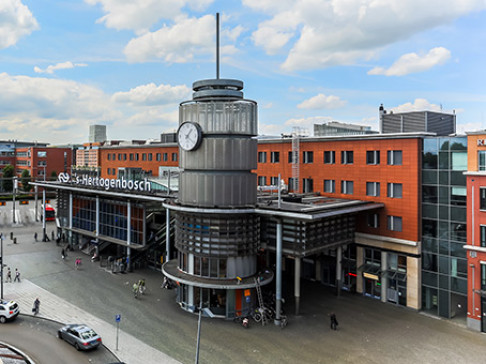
point(15, 182)
point(44, 235)
point(1, 262)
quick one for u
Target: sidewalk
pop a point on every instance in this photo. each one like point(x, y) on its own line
point(130, 349)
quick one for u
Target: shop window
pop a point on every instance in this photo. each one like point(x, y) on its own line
point(308, 157)
point(347, 187)
point(329, 157)
point(394, 190)
point(347, 157)
point(174, 157)
point(275, 157)
point(394, 157)
point(373, 157)
point(329, 185)
point(373, 189)
point(262, 157)
point(394, 223)
point(374, 220)
point(262, 181)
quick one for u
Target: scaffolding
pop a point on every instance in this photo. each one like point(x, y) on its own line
point(297, 133)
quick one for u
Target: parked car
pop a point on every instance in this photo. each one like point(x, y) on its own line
point(8, 310)
point(80, 336)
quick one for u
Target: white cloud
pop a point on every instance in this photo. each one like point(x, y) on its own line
point(322, 101)
point(141, 15)
point(417, 105)
point(326, 33)
point(413, 63)
point(59, 66)
point(175, 44)
point(16, 21)
point(151, 94)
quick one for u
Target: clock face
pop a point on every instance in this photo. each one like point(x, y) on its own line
point(189, 135)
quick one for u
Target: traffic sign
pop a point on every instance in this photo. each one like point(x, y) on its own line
point(118, 318)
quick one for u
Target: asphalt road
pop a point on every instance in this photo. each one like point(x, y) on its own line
point(38, 339)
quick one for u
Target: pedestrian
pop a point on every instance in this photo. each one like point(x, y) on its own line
point(77, 263)
point(36, 307)
point(334, 322)
point(63, 253)
point(35, 236)
point(52, 235)
point(17, 275)
point(9, 276)
point(135, 290)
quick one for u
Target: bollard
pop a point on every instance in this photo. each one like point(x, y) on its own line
point(11, 235)
point(15, 240)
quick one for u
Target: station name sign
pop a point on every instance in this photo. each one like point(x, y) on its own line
point(106, 183)
point(481, 142)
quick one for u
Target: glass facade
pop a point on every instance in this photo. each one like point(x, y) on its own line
point(444, 261)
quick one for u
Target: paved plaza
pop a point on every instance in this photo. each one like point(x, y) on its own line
point(154, 329)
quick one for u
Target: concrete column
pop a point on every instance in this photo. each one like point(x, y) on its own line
point(129, 235)
point(167, 234)
point(297, 284)
point(359, 262)
point(278, 273)
point(70, 223)
point(35, 203)
point(384, 280)
point(414, 283)
point(339, 269)
point(318, 270)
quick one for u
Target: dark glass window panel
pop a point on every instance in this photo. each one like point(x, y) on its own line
point(429, 161)
point(429, 262)
point(443, 230)
point(444, 281)
point(444, 195)
point(444, 247)
point(444, 160)
point(443, 212)
point(429, 245)
point(458, 178)
point(458, 214)
point(429, 279)
point(459, 285)
point(444, 144)
point(429, 228)
point(429, 177)
point(459, 143)
point(444, 265)
point(430, 194)
point(458, 232)
point(444, 177)
point(482, 198)
point(429, 211)
point(457, 250)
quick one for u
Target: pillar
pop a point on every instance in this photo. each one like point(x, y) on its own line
point(384, 280)
point(318, 269)
point(359, 263)
point(190, 289)
point(167, 234)
point(297, 283)
point(70, 223)
point(339, 269)
point(278, 273)
point(97, 226)
point(129, 235)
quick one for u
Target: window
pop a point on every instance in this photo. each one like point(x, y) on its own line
point(150, 156)
point(394, 223)
point(109, 171)
point(293, 157)
point(144, 156)
point(131, 156)
point(42, 154)
point(347, 187)
point(113, 156)
point(394, 190)
point(109, 156)
point(119, 156)
point(482, 235)
point(346, 157)
point(293, 184)
point(482, 198)
point(308, 185)
point(482, 160)
point(308, 157)
point(275, 157)
point(329, 157)
point(262, 157)
point(274, 181)
point(174, 157)
point(373, 189)
point(158, 157)
point(165, 157)
point(394, 157)
point(136, 156)
point(374, 220)
point(373, 157)
point(262, 181)
point(329, 185)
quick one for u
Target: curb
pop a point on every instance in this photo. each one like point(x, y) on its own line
point(27, 359)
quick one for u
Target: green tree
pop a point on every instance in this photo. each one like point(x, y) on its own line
point(53, 176)
point(25, 180)
point(8, 173)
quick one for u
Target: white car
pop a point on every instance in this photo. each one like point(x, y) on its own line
point(8, 310)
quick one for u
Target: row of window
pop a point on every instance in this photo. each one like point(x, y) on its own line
point(394, 157)
point(145, 157)
point(393, 223)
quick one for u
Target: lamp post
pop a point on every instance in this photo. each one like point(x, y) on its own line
point(14, 179)
point(1, 262)
point(44, 235)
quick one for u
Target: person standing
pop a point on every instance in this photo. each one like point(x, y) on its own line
point(63, 253)
point(36, 307)
point(9, 276)
point(35, 236)
point(334, 322)
point(17, 275)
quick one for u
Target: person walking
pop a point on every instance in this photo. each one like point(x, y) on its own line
point(35, 236)
point(334, 322)
point(9, 276)
point(135, 290)
point(77, 263)
point(17, 275)
point(36, 307)
point(63, 253)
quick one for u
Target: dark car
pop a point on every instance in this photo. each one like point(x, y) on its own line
point(80, 336)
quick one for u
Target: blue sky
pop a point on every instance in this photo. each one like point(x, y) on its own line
point(67, 64)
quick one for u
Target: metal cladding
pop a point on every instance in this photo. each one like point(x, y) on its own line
point(218, 173)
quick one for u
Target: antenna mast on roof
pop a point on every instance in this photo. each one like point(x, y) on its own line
point(217, 46)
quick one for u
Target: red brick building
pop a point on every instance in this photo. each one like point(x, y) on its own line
point(40, 160)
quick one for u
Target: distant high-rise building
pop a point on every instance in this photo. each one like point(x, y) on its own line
point(417, 121)
point(336, 128)
point(97, 133)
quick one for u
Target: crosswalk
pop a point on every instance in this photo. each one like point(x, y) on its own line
point(23, 217)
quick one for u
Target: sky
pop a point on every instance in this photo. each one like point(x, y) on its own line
point(67, 64)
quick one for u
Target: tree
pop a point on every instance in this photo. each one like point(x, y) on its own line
point(53, 175)
point(25, 180)
point(7, 182)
